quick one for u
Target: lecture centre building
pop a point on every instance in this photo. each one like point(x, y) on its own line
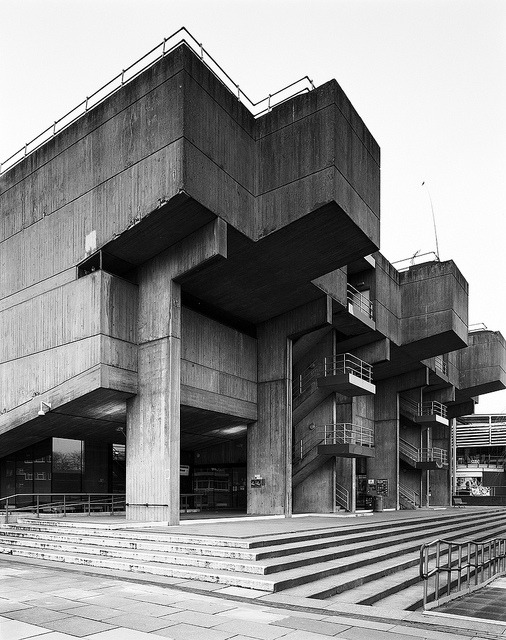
point(194, 312)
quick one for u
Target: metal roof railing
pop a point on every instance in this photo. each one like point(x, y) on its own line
point(182, 35)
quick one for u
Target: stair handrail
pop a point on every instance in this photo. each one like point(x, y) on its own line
point(349, 433)
point(342, 496)
point(423, 454)
point(434, 454)
point(305, 380)
point(441, 364)
point(357, 299)
point(409, 450)
point(410, 495)
point(433, 408)
point(415, 409)
point(131, 72)
point(66, 503)
point(472, 561)
point(409, 407)
point(347, 363)
point(333, 433)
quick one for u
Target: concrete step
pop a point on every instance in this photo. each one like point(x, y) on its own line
point(154, 552)
point(315, 564)
point(118, 541)
point(345, 574)
point(288, 541)
point(218, 557)
point(161, 556)
point(326, 548)
point(247, 581)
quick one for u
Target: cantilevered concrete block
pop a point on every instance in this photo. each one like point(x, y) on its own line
point(434, 309)
point(482, 364)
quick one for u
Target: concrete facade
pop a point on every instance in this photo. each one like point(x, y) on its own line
point(194, 274)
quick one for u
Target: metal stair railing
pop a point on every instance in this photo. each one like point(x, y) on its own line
point(305, 382)
point(474, 564)
point(128, 74)
point(409, 495)
point(341, 433)
point(409, 450)
point(409, 408)
point(348, 433)
point(357, 299)
point(42, 503)
point(342, 497)
point(441, 365)
point(433, 408)
point(347, 363)
point(415, 409)
point(431, 454)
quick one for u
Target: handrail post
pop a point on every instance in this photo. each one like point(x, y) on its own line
point(7, 511)
point(38, 502)
point(112, 504)
point(89, 504)
point(64, 505)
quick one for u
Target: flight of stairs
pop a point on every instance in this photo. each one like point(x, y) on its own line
point(362, 562)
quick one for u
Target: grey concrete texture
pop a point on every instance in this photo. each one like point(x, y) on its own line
point(60, 603)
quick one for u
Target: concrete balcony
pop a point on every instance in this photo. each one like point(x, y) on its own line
point(353, 312)
point(424, 458)
point(427, 414)
point(348, 375)
point(343, 440)
point(346, 440)
point(343, 373)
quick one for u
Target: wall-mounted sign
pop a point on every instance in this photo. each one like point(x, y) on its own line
point(257, 481)
point(184, 470)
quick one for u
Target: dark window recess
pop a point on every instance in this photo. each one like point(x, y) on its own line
point(102, 261)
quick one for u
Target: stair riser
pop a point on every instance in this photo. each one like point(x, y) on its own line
point(74, 544)
point(119, 543)
point(231, 580)
point(378, 544)
point(350, 584)
point(388, 592)
point(373, 576)
point(328, 593)
point(375, 529)
point(184, 561)
point(273, 569)
point(130, 536)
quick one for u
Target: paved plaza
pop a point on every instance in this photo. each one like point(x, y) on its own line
point(62, 602)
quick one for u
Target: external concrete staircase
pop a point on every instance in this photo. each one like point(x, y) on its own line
point(373, 563)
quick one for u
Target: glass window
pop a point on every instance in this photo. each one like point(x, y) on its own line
point(67, 465)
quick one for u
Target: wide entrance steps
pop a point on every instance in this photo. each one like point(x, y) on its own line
point(359, 561)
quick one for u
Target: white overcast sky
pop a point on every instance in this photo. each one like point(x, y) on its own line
point(427, 76)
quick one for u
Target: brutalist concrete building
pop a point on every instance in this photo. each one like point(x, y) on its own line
point(205, 285)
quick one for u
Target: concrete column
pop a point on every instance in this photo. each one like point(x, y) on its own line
point(386, 463)
point(153, 415)
point(270, 437)
point(152, 482)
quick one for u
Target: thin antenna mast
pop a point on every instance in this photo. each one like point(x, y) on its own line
point(433, 218)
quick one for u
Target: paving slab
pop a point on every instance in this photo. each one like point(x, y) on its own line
point(17, 630)
point(191, 632)
point(79, 627)
point(137, 621)
point(210, 615)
